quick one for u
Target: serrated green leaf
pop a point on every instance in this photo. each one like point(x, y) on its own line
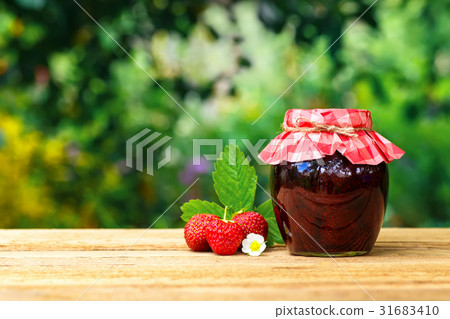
point(266, 210)
point(274, 233)
point(269, 240)
point(235, 180)
point(197, 206)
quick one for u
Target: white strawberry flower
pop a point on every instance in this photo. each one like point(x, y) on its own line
point(253, 245)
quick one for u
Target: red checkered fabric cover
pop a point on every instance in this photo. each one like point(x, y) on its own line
point(368, 147)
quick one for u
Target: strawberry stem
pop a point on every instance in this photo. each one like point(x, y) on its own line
point(225, 214)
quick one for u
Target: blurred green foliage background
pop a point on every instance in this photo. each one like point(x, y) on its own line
point(70, 98)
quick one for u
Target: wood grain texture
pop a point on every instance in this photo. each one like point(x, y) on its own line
point(406, 264)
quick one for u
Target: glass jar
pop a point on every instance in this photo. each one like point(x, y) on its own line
point(329, 181)
point(329, 207)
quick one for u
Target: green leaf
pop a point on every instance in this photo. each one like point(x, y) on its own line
point(274, 235)
point(266, 210)
point(197, 206)
point(234, 180)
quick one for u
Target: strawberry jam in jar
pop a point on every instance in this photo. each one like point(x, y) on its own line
point(329, 181)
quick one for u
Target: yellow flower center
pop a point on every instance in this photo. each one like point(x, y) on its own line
point(255, 246)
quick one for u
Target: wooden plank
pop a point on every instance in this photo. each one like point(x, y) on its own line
point(59, 264)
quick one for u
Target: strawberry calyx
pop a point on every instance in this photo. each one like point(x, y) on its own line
point(239, 212)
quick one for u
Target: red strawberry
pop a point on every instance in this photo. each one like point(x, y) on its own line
point(195, 231)
point(224, 236)
point(252, 222)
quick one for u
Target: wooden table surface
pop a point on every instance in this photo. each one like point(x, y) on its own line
point(406, 264)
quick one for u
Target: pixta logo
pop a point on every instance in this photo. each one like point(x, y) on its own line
point(144, 144)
